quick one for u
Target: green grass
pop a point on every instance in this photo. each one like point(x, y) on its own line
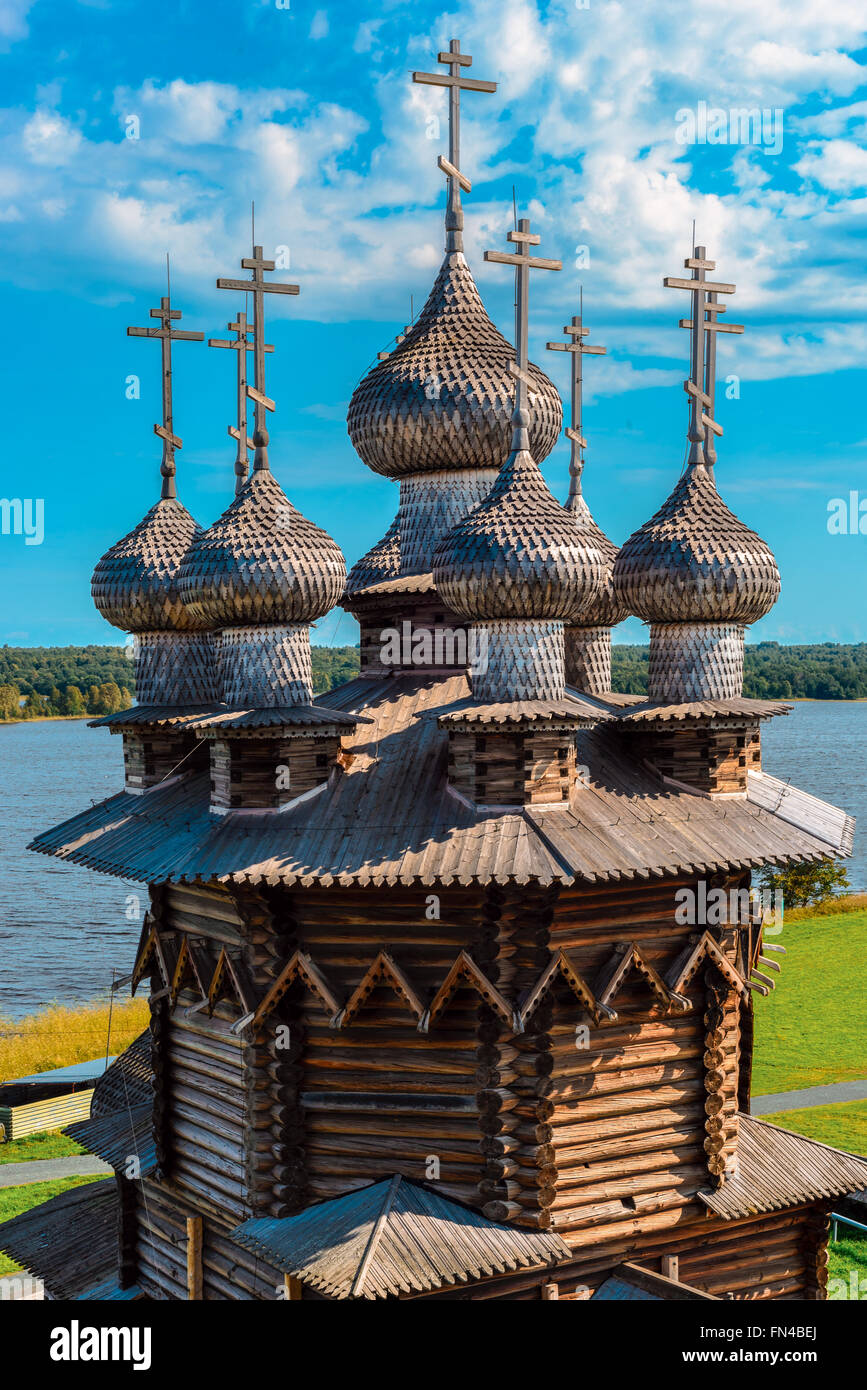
point(843, 1126)
point(809, 1030)
point(846, 1255)
point(49, 1144)
point(14, 1200)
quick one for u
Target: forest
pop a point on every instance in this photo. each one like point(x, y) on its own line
point(41, 682)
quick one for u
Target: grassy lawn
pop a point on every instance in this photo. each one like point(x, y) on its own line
point(848, 1255)
point(14, 1200)
point(60, 1037)
point(50, 1144)
point(842, 1126)
point(809, 1030)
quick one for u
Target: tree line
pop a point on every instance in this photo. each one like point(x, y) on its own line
point(822, 671)
point(40, 681)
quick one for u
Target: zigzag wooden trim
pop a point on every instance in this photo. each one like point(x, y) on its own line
point(183, 970)
point(167, 955)
point(627, 956)
point(217, 981)
point(383, 971)
point(560, 964)
point(656, 982)
point(200, 960)
point(300, 965)
point(466, 970)
point(146, 952)
point(687, 963)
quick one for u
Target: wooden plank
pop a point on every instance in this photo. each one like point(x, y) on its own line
point(194, 1257)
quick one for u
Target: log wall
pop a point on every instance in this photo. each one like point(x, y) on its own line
point(619, 1118)
point(713, 760)
point(379, 1097)
point(780, 1255)
point(228, 1271)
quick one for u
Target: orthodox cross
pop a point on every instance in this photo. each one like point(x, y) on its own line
point(167, 335)
point(703, 325)
point(524, 263)
point(577, 332)
point(258, 287)
point(242, 343)
point(454, 60)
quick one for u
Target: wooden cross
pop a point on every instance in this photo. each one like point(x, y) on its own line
point(242, 343)
point(703, 325)
point(167, 335)
point(454, 60)
point(524, 263)
point(258, 287)
point(578, 348)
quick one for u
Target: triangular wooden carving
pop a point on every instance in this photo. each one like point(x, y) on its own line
point(183, 973)
point(466, 972)
point(146, 954)
point(684, 969)
point(219, 982)
point(201, 963)
point(300, 967)
point(230, 981)
point(384, 971)
point(561, 965)
point(625, 958)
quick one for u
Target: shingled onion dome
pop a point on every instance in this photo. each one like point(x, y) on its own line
point(135, 587)
point(697, 574)
point(436, 414)
point(517, 567)
point(263, 573)
point(588, 638)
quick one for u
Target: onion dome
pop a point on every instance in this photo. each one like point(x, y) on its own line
point(381, 562)
point(444, 398)
point(262, 562)
point(135, 584)
point(694, 561)
point(519, 554)
point(607, 609)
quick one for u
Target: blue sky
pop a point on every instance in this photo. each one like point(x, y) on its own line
point(308, 108)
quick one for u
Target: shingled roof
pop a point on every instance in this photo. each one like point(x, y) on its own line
point(394, 1237)
point(391, 818)
point(128, 1082)
point(778, 1169)
point(69, 1242)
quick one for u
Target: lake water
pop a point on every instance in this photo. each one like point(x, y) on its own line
point(63, 928)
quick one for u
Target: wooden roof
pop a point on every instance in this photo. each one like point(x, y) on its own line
point(737, 710)
point(69, 1242)
point(119, 1136)
point(631, 1283)
point(394, 1237)
point(127, 1082)
point(391, 818)
point(778, 1169)
point(571, 709)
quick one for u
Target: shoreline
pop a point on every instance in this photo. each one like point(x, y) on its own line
point(48, 719)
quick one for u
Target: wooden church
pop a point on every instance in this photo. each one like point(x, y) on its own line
point(428, 1018)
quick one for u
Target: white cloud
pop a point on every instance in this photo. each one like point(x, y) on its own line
point(13, 21)
point(50, 139)
point(594, 119)
point(838, 165)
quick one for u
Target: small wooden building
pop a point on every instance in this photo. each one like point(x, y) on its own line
point(452, 970)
